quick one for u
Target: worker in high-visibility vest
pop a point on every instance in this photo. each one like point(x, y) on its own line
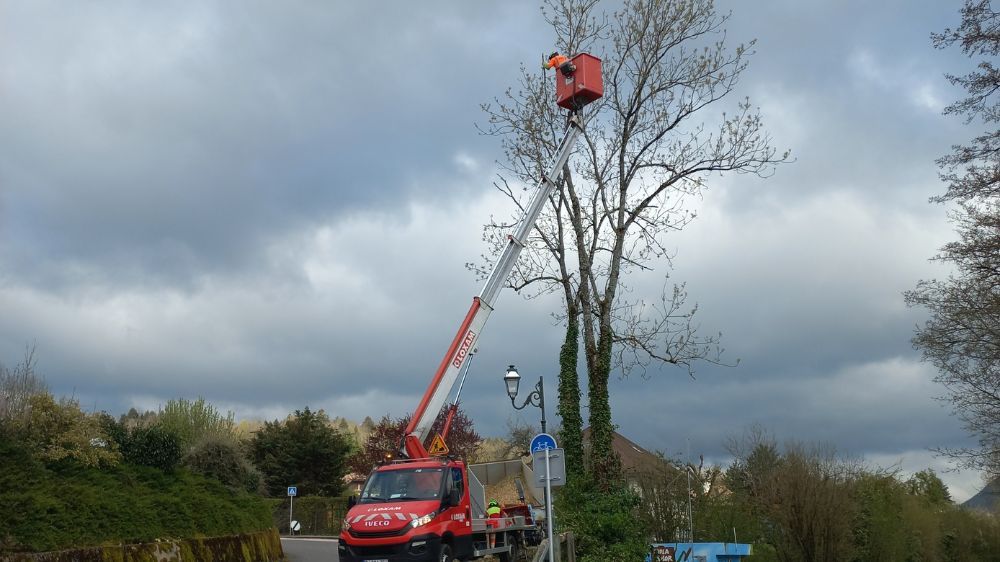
point(493, 520)
point(561, 62)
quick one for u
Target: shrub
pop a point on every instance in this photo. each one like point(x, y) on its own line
point(194, 420)
point(144, 445)
point(115, 431)
point(606, 523)
point(220, 458)
point(57, 431)
point(154, 446)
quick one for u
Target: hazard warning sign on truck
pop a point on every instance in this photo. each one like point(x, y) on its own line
point(438, 448)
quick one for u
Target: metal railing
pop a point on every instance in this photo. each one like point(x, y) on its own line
point(566, 543)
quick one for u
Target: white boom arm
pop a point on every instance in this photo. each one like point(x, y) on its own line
point(465, 340)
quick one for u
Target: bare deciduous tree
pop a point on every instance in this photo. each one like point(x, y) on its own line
point(650, 145)
point(803, 494)
point(962, 336)
point(18, 385)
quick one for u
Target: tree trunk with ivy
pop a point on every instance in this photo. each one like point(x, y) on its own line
point(571, 433)
point(604, 462)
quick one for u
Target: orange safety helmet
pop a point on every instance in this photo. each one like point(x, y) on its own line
point(555, 60)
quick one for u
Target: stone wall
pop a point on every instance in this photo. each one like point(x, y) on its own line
point(263, 546)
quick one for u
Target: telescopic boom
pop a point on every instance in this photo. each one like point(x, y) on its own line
point(468, 332)
point(579, 82)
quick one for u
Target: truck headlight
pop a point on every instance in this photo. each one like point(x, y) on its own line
point(345, 524)
point(421, 521)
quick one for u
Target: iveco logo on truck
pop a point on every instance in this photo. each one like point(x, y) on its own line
point(464, 350)
point(382, 523)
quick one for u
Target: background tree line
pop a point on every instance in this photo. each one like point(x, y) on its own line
point(801, 502)
point(797, 502)
point(306, 449)
point(183, 439)
point(71, 478)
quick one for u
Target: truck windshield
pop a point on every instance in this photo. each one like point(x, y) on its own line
point(403, 485)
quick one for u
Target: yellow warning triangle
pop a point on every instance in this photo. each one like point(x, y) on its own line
point(438, 448)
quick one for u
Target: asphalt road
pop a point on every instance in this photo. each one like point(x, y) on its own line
point(310, 550)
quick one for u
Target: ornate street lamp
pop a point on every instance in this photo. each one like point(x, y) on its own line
point(537, 397)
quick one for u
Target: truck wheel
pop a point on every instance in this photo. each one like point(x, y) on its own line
point(514, 554)
point(445, 554)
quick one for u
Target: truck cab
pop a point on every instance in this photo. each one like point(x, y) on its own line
point(411, 510)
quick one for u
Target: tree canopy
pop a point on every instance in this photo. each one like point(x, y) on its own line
point(961, 338)
point(383, 442)
point(649, 146)
point(304, 451)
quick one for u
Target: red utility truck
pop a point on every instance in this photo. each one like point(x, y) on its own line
point(427, 508)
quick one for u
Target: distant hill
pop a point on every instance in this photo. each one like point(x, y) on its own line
point(986, 499)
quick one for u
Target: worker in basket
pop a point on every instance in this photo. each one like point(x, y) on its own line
point(561, 62)
point(493, 520)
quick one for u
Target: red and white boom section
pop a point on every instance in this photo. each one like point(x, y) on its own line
point(472, 326)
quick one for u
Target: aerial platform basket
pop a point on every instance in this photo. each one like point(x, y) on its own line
point(585, 85)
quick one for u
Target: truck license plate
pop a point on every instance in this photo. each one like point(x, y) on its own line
point(378, 560)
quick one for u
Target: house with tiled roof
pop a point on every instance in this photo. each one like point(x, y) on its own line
point(637, 463)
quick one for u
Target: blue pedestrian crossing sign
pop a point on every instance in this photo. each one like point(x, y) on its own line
point(542, 441)
point(293, 491)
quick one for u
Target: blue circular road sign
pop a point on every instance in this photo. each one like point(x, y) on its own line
point(542, 441)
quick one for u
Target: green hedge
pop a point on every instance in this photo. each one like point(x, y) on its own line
point(52, 507)
point(318, 515)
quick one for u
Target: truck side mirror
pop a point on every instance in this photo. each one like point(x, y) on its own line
point(352, 501)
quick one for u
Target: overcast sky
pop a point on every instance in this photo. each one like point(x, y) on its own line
point(271, 204)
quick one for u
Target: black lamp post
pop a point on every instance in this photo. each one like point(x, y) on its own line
point(537, 397)
point(512, 379)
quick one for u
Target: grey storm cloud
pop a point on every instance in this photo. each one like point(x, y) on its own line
point(270, 205)
point(155, 141)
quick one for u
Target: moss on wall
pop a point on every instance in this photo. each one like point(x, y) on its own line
point(262, 546)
